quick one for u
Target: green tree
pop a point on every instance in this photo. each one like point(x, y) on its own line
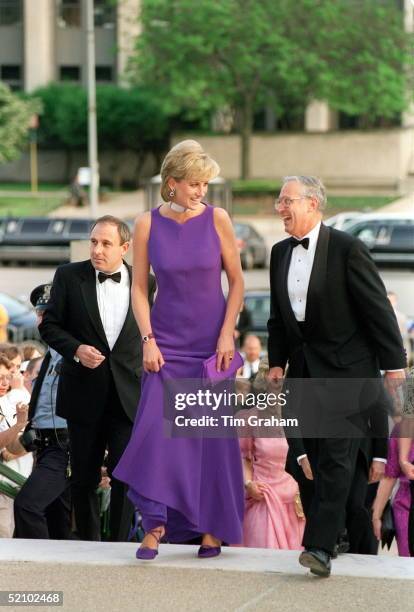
point(200, 57)
point(63, 123)
point(15, 115)
point(128, 119)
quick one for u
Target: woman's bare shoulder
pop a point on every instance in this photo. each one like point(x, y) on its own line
point(142, 225)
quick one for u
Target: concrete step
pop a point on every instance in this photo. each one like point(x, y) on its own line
point(106, 576)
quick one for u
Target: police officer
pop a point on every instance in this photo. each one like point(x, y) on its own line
point(42, 509)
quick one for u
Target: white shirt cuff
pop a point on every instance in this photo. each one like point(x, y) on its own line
point(381, 459)
point(397, 370)
point(299, 459)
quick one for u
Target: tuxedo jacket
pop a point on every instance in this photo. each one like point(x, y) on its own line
point(351, 328)
point(72, 318)
point(350, 332)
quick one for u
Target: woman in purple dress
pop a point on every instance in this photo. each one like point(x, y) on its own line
point(402, 499)
point(184, 487)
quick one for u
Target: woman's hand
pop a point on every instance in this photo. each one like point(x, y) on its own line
point(225, 351)
point(152, 357)
point(21, 413)
point(376, 526)
point(256, 489)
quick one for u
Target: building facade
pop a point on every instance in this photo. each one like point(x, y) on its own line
point(45, 40)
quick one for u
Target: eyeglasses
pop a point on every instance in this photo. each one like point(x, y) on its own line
point(287, 202)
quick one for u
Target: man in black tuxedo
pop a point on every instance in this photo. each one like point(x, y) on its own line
point(89, 321)
point(330, 318)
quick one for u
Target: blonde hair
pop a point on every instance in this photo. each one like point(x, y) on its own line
point(186, 160)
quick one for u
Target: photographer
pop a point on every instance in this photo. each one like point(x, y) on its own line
point(42, 508)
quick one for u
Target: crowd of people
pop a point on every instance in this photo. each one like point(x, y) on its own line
point(85, 414)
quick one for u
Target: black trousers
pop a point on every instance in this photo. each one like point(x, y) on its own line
point(333, 463)
point(362, 540)
point(42, 509)
point(88, 444)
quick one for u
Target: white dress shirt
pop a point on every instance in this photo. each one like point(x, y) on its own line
point(250, 368)
point(113, 303)
point(300, 269)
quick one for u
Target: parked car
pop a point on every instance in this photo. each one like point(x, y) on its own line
point(40, 239)
point(258, 304)
point(341, 220)
point(389, 237)
point(252, 247)
point(22, 319)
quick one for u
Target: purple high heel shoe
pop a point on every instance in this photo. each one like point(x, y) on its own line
point(148, 554)
point(206, 552)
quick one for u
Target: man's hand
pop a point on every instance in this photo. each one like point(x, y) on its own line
point(21, 413)
point(376, 471)
point(393, 382)
point(275, 378)
point(89, 356)
point(306, 467)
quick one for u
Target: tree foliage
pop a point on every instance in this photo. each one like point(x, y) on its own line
point(202, 56)
point(15, 115)
point(127, 119)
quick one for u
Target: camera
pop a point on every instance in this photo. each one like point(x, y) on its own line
point(30, 440)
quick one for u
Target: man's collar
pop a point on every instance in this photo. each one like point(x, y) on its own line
point(312, 235)
point(121, 267)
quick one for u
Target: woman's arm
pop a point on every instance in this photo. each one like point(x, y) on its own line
point(384, 491)
point(8, 438)
point(152, 358)
point(404, 445)
point(232, 266)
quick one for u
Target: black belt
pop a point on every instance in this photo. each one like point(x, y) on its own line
point(53, 436)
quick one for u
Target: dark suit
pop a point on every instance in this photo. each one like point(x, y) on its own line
point(350, 332)
point(99, 404)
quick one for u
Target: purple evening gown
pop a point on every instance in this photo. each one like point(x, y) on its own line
point(194, 485)
point(402, 500)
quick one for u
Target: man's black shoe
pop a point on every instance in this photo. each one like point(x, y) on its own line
point(342, 546)
point(318, 561)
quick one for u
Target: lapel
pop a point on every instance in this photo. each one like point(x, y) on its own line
point(129, 327)
point(317, 279)
point(282, 289)
point(88, 290)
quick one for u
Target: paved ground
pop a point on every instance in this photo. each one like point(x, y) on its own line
point(104, 576)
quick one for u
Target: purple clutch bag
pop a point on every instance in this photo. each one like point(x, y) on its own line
point(210, 374)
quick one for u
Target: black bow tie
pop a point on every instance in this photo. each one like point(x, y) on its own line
point(304, 243)
point(116, 277)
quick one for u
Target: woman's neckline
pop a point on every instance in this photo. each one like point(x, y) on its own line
point(188, 220)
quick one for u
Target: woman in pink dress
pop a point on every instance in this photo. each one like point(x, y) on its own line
point(273, 507)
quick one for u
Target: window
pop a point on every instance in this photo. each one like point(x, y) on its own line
point(104, 13)
point(70, 73)
point(34, 226)
point(69, 13)
point(10, 72)
point(10, 12)
point(11, 75)
point(80, 227)
point(103, 73)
